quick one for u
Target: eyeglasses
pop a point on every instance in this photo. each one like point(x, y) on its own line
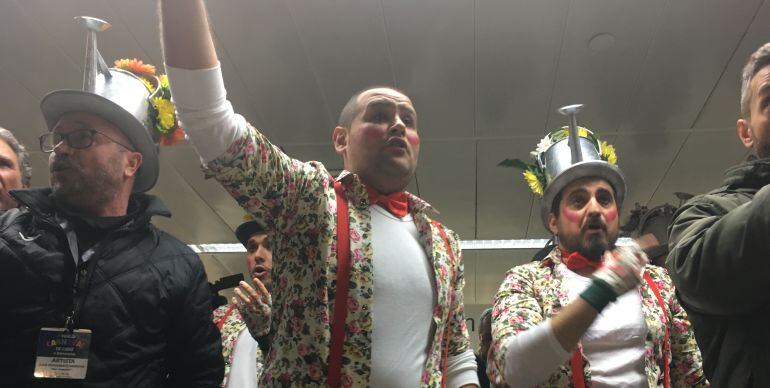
point(80, 139)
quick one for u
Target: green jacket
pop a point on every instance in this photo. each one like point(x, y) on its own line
point(719, 261)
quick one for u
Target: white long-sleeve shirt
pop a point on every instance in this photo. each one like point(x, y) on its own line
point(402, 274)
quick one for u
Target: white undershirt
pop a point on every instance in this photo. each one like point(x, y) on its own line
point(211, 123)
point(243, 371)
point(404, 296)
point(613, 344)
point(403, 305)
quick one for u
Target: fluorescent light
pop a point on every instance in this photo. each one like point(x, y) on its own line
point(468, 245)
point(218, 248)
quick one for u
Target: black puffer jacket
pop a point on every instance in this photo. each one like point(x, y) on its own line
point(147, 304)
point(720, 264)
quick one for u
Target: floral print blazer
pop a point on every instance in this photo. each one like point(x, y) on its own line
point(231, 328)
point(532, 293)
point(297, 203)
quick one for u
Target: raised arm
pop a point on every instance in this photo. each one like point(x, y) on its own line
point(267, 183)
point(186, 37)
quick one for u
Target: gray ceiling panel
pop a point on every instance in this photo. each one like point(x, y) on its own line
point(723, 106)
point(264, 44)
point(700, 164)
point(603, 50)
point(434, 62)
point(692, 46)
point(29, 55)
point(515, 73)
point(644, 159)
point(504, 199)
point(346, 44)
point(20, 111)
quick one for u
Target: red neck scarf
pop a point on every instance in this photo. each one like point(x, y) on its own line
point(575, 261)
point(396, 203)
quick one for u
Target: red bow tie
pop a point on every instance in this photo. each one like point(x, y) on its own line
point(396, 203)
point(575, 261)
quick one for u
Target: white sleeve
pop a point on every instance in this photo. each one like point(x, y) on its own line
point(533, 355)
point(204, 112)
point(461, 370)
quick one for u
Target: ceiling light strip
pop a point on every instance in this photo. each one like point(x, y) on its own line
point(468, 245)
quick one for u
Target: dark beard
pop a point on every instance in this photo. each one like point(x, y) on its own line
point(593, 250)
point(85, 192)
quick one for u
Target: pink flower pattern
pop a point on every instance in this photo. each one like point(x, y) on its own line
point(297, 201)
point(532, 293)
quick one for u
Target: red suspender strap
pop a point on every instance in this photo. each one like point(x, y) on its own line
point(224, 318)
point(656, 291)
point(576, 364)
point(448, 333)
point(341, 293)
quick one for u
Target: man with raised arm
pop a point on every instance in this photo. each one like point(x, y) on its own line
point(368, 289)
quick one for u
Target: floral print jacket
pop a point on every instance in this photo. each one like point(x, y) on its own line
point(230, 329)
point(297, 202)
point(532, 293)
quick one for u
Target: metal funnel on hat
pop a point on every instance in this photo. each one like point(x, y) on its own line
point(115, 95)
point(575, 156)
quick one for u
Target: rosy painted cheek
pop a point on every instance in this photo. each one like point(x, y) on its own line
point(413, 139)
point(611, 215)
point(571, 215)
point(373, 131)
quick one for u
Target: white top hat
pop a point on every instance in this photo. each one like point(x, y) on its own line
point(115, 95)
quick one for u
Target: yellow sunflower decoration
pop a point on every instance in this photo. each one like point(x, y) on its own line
point(533, 182)
point(162, 111)
point(534, 173)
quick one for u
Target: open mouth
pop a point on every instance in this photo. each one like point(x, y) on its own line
point(259, 271)
point(397, 143)
point(594, 227)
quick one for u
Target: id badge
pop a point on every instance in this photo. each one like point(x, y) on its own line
point(62, 354)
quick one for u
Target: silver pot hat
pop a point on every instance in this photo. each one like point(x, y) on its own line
point(565, 155)
point(115, 95)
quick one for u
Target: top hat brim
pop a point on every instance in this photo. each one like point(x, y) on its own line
point(592, 168)
point(247, 229)
point(59, 102)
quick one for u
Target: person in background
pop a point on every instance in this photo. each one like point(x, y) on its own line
point(243, 323)
point(15, 168)
point(719, 250)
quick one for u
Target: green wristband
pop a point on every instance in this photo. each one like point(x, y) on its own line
point(599, 294)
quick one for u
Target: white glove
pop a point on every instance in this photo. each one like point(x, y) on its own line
point(623, 268)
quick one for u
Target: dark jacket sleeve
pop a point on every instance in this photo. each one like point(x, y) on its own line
point(195, 349)
point(720, 252)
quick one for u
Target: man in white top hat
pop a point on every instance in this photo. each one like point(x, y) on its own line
point(590, 313)
point(94, 294)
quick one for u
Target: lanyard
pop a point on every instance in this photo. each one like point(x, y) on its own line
point(84, 270)
point(576, 361)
